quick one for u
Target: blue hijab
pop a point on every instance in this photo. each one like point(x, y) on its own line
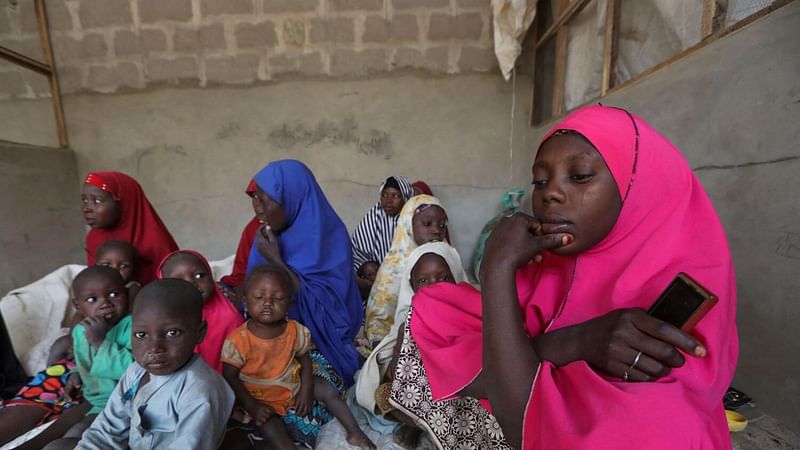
point(316, 246)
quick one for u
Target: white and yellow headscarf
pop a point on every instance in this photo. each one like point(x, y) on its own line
point(382, 301)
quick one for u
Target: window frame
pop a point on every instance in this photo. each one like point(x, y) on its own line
point(712, 28)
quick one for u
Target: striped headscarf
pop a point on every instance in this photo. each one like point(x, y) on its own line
point(372, 238)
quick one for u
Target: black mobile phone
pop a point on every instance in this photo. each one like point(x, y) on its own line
point(683, 303)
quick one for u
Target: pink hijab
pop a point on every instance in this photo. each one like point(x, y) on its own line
point(220, 315)
point(667, 225)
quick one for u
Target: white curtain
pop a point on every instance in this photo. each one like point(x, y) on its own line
point(511, 18)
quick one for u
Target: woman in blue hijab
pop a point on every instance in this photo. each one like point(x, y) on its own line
point(305, 236)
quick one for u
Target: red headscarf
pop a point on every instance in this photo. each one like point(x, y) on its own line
point(138, 224)
point(422, 187)
point(667, 225)
point(236, 278)
point(218, 312)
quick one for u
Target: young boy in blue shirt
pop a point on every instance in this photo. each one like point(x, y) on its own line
point(169, 398)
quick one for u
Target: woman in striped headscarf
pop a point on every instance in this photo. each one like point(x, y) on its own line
point(373, 237)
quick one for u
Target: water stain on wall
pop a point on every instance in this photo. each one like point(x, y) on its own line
point(138, 155)
point(345, 132)
point(789, 245)
point(228, 130)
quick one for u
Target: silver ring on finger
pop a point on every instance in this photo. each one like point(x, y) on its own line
point(625, 376)
point(636, 360)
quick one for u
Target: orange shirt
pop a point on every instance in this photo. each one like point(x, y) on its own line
point(269, 368)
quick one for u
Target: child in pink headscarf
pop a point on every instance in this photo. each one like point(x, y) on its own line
point(560, 328)
point(219, 313)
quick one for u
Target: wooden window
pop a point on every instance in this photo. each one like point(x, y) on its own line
point(45, 66)
point(583, 50)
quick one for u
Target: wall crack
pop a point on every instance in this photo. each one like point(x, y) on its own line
point(747, 164)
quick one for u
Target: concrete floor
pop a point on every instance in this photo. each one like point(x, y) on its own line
point(765, 433)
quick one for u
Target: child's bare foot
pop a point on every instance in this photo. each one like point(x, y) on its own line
point(358, 439)
point(408, 437)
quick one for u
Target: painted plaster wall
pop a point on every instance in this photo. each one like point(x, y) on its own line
point(194, 150)
point(37, 187)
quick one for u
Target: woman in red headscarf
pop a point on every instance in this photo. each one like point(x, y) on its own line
point(421, 187)
point(237, 276)
point(116, 209)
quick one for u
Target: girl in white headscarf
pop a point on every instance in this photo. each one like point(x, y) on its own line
point(374, 370)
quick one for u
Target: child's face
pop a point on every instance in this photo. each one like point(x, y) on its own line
point(102, 297)
point(98, 207)
point(573, 188)
point(269, 210)
point(430, 269)
point(429, 225)
point(391, 201)
point(267, 299)
point(191, 269)
point(163, 339)
point(119, 260)
point(369, 270)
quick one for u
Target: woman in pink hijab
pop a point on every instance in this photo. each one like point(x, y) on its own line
point(560, 326)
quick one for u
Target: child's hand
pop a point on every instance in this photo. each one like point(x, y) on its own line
point(304, 400)
point(518, 239)
point(268, 246)
point(72, 389)
point(96, 328)
point(261, 414)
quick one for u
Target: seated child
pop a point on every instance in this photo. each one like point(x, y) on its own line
point(434, 262)
point(122, 257)
point(116, 208)
point(101, 343)
point(422, 220)
point(368, 271)
point(373, 236)
point(169, 398)
point(45, 392)
point(267, 363)
point(219, 313)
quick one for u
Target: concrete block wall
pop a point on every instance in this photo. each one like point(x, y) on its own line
point(121, 45)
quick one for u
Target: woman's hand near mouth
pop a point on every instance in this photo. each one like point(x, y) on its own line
point(519, 239)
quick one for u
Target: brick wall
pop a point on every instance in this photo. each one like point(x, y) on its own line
point(111, 45)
